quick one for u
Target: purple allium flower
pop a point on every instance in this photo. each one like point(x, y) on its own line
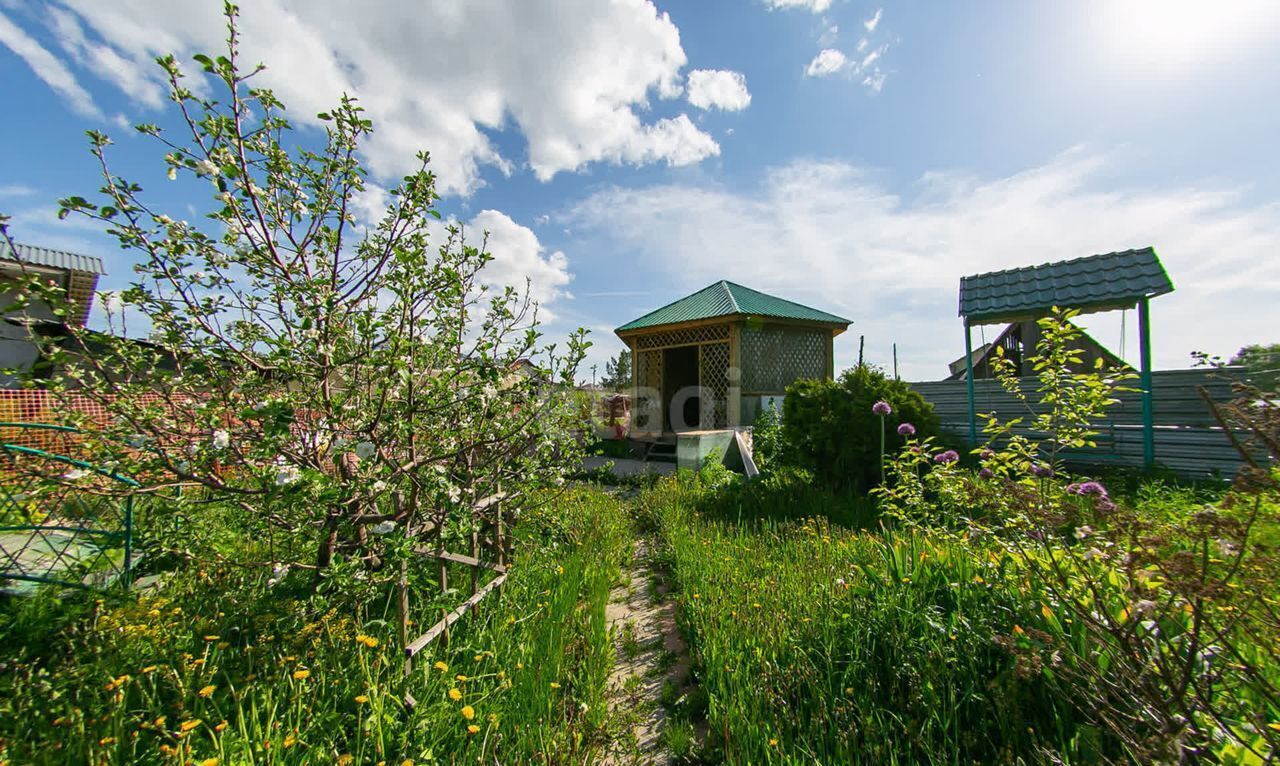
point(985, 473)
point(1041, 470)
point(1089, 488)
point(1104, 504)
point(950, 456)
point(881, 408)
point(906, 429)
point(987, 454)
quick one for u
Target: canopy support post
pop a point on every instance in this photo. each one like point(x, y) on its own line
point(968, 367)
point(1148, 415)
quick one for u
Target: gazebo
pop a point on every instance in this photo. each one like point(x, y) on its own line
point(711, 360)
point(1120, 280)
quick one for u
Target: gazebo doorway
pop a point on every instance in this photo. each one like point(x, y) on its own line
point(681, 393)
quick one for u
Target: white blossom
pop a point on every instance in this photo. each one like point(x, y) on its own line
point(221, 439)
point(1083, 532)
point(365, 450)
point(75, 474)
point(383, 528)
point(208, 168)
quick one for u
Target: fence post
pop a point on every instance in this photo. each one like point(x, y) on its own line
point(475, 554)
point(968, 377)
point(1148, 413)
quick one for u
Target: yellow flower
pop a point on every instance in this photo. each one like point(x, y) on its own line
point(440, 666)
point(407, 762)
point(209, 762)
point(773, 743)
point(189, 725)
point(454, 694)
point(361, 698)
point(106, 741)
point(160, 721)
point(460, 677)
point(148, 669)
point(519, 666)
point(207, 691)
point(468, 712)
point(346, 759)
point(301, 675)
point(289, 739)
point(473, 729)
point(368, 641)
point(221, 727)
point(211, 638)
point(555, 685)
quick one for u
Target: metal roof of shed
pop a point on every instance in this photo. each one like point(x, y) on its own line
point(725, 299)
point(1096, 282)
point(53, 259)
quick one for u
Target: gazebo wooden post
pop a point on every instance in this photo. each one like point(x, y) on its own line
point(1148, 414)
point(968, 376)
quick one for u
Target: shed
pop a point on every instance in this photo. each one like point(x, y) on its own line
point(77, 274)
point(711, 359)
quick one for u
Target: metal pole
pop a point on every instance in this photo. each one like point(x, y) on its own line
point(1148, 414)
point(968, 367)
point(128, 542)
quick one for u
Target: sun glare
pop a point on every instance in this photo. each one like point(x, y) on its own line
point(1173, 35)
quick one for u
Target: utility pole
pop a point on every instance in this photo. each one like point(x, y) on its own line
point(862, 340)
point(895, 362)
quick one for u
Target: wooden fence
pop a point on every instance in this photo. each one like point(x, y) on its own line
point(1187, 438)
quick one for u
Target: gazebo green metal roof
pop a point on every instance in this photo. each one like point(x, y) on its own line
point(724, 299)
point(54, 259)
point(1094, 283)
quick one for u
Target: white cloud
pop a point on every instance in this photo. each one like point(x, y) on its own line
point(517, 255)
point(815, 6)
point(16, 190)
point(873, 22)
point(718, 89)
point(829, 61)
point(48, 68)
point(829, 36)
point(574, 77)
point(826, 234)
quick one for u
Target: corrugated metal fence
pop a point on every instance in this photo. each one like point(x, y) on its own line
point(1187, 438)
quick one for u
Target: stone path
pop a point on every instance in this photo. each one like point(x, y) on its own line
point(650, 653)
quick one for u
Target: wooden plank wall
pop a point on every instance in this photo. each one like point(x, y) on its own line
point(1187, 438)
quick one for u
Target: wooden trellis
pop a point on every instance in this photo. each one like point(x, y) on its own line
point(490, 537)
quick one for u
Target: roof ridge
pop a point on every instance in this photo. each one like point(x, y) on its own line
point(733, 299)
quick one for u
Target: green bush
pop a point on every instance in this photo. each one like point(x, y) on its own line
point(828, 426)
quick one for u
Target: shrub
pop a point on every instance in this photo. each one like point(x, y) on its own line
point(828, 426)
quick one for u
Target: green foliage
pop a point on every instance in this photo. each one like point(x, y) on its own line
point(258, 669)
point(617, 372)
point(828, 426)
point(767, 439)
point(1143, 595)
point(1262, 362)
point(818, 644)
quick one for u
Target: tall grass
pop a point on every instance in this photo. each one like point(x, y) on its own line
point(818, 644)
point(217, 666)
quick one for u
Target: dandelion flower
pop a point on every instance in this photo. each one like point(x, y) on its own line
point(473, 729)
point(207, 691)
point(346, 759)
point(440, 666)
point(468, 712)
point(368, 641)
point(209, 762)
point(555, 685)
point(454, 694)
point(289, 740)
point(301, 675)
point(221, 727)
point(186, 726)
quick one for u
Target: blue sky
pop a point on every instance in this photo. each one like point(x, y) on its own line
point(856, 156)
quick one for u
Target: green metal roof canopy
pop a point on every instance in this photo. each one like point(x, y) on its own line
point(1105, 282)
point(1096, 283)
point(724, 299)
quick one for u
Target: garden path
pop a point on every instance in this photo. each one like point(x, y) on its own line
point(650, 653)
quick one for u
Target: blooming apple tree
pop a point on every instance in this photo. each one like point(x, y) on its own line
point(345, 385)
